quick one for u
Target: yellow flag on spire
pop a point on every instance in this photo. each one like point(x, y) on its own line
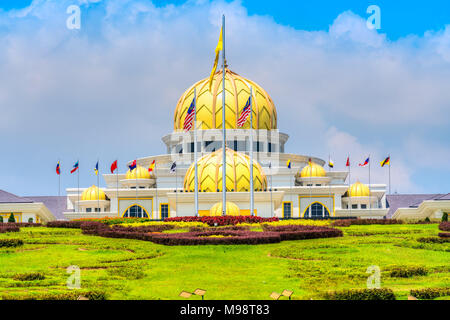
point(216, 61)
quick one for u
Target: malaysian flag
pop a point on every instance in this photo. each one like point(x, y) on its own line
point(245, 113)
point(189, 120)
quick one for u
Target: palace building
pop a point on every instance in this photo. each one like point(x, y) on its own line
point(305, 189)
point(302, 190)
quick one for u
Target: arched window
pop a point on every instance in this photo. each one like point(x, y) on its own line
point(135, 211)
point(317, 210)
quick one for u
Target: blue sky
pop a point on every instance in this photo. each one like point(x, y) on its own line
point(400, 17)
point(109, 90)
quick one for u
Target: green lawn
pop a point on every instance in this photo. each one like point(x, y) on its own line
point(132, 269)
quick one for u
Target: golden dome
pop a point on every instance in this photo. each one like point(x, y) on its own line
point(93, 193)
point(313, 170)
point(238, 173)
point(232, 209)
point(209, 104)
point(359, 189)
point(142, 173)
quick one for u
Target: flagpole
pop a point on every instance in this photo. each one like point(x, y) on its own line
point(349, 184)
point(329, 185)
point(117, 180)
point(156, 192)
point(224, 147)
point(370, 200)
point(252, 199)
point(195, 153)
point(78, 177)
point(389, 174)
point(176, 189)
point(271, 189)
point(310, 188)
point(135, 175)
point(59, 179)
point(98, 186)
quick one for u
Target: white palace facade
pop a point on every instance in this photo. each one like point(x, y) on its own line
point(304, 190)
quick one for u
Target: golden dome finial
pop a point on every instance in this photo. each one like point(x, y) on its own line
point(312, 170)
point(93, 193)
point(359, 189)
point(209, 103)
point(209, 170)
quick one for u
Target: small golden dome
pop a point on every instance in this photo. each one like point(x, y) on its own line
point(209, 103)
point(93, 193)
point(142, 173)
point(359, 189)
point(313, 170)
point(232, 209)
point(238, 173)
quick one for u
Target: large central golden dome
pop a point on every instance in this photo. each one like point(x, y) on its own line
point(209, 104)
point(238, 173)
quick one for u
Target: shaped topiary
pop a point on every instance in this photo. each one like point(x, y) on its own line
point(11, 218)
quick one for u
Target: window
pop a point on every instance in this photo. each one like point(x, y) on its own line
point(88, 209)
point(164, 209)
point(316, 210)
point(97, 210)
point(287, 209)
point(135, 211)
point(364, 206)
point(354, 206)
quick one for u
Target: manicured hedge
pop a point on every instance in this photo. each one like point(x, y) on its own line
point(299, 232)
point(362, 294)
point(430, 293)
point(210, 236)
point(408, 272)
point(444, 234)
point(433, 240)
point(349, 222)
point(26, 224)
point(222, 221)
point(226, 228)
point(444, 226)
point(9, 227)
point(113, 221)
point(215, 238)
point(71, 295)
point(10, 243)
point(65, 224)
point(29, 276)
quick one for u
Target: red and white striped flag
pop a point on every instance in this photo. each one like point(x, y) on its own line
point(245, 113)
point(189, 120)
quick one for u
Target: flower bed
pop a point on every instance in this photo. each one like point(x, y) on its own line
point(64, 224)
point(215, 238)
point(210, 236)
point(444, 226)
point(444, 234)
point(222, 221)
point(349, 222)
point(7, 227)
point(299, 232)
point(226, 228)
point(113, 221)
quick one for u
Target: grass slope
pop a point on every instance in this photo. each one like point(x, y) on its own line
point(132, 269)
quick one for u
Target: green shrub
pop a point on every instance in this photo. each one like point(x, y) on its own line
point(445, 217)
point(68, 295)
point(433, 240)
point(430, 293)
point(361, 294)
point(29, 276)
point(408, 272)
point(1, 219)
point(11, 218)
point(427, 219)
point(30, 220)
point(129, 272)
point(10, 243)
